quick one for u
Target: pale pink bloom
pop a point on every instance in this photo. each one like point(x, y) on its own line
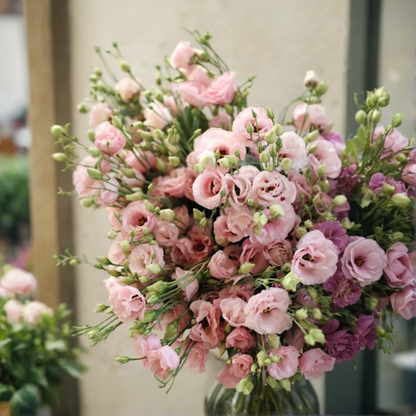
point(409, 174)
point(189, 193)
point(227, 378)
point(136, 182)
point(403, 302)
point(272, 188)
point(33, 312)
point(18, 281)
point(189, 284)
point(182, 215)
point(238, 188)
point(315, 259)
point(136, 217)
point(126, 302)
point(161, 361)
point(140, 160)
point(100, 112)
point(267, 312)
point(222, 120)
point(110, 282)
point(262, 126)
point(222, 89)
point(179, 311)
point(288, 364)
point(337, 140)
point(166, 234)
point(241, 291)
point(193, 90)
point(109, 192)
point(171, 102)
point(239, 338)
point(143, 345)
point(314, 363)
point(114, 222)
point(220, 140)
point(181, 55)
point(14, 310)
point(141, 257)
point(276, 230)
point(399, 270)
point(5, 293)
point(207, 188)
point(236, 224)
point(249, 172)
point(207, 328)
point(233, 311)
point(325, 154)
point(157, 117)
point(304, 299)
point(296, 339)
point(182, 252)
point(202, 245)
point(395, 142)
point(173, 185)
point(241, 365)
point(301, 184)
point(221, 266)
point(115, 253)
point(293, 147)
point(253, 254)
point(304, 115)
point(109, 139)
point(127, 88)
point(197, 357)
point(84, 184)
point(363, 260)
point(278, 253)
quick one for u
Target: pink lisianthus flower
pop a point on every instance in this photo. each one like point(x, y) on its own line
point(337, 141)
point(262, 126)
point(33, 312)
point(233, 373)
point(301, 185)
point(222, 89)
point(157, 117)
point(233, 311)
point(202, 245)
point(409, 174)
point(197, 357)
point(278, 253)
point(305, 115)
point(293, 148)
point(207, 188)
point(109, 192)
point(207, 328)
point(315, 259)
point(189, 284)
point(136, 217)
point(296, 338)
point(172, 185)
point(18, 281)
point(238, 188)
point(179, 311)
point(314, 363)
point(166, 233)
point(127, 88)
point(109, 139)
point(181, 55)
point(193, 90)
point(267, 312)
point(393, 143)
point(399, 270)
point(127, 302)
point(140, 160)
point(222, 120)
point(221, 266)
point(288, 364)
point(251, 253)
point(403, 302)
point(14, 310)
point(363, 260)
point(144, 255)
point(115, 254)
point(240, 338)
point(100, 113)
point(143, 345)
point(325, 154)
point(272, 188)
point(161, 361)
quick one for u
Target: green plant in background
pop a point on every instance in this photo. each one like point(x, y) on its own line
point(35, 349)
point(14, 195)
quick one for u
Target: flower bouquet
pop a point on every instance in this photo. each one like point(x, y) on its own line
point(34, 346)
point(268, 238)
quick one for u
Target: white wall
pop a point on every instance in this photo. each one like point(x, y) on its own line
point(276, 40)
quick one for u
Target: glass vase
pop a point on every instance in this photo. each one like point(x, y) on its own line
point(263, 400)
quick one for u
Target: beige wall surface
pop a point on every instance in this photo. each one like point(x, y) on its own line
point(276, 40)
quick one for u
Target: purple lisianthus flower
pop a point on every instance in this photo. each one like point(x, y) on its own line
point(337, 140)
point(344, 292)
point(378, 180)
point(366, 329)
point(335, 232)
point(343, 345)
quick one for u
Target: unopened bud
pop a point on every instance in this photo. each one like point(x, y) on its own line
point(250, 128)
point(397, 120)
point(321, 170)
point(339, 200)
point(286, 164)
point(308, 224)
point(261, 357)
point(312, 292)
point(317, 335)
point(311, 79)
point(387, 189)
point(167, 215)
point(301, 314)
point(286, 384)
point(198, 168)
point(128, 280)
point(375, 115)
point(174, 161)
point(86, 202)
point(270, 137)
point(154, 268)
point(321, 88)
point(264, 157)
point(94, 174)
point(278, 129)
point(300, 232)
point(91, 135)
point(124, 65)
point(59, 157)
point(57, 131)
point(277, 211)
point(124, 245)
point(245, 268)
point(309, 340)
point(370, 303)
point(400, 200)
point(122, 359)
point(100, 307)
point(290, 282)
point(360, 116)
point(224, 163)
point(317, 314)
point(245, 386)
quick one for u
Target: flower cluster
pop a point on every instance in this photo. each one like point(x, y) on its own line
point(34, 341)
point(271, 239)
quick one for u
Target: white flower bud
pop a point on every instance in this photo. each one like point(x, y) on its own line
point(311, 79)
point(286, 163)
point(339, 200)
point(245, 268)
point(301, 314)
point(277, 211)
point(207, 159)
point(167, 215)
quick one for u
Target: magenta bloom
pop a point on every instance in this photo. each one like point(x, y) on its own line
point(343, 291)
point(342, 345)
point(366, 331)
point(335, 232)
point(363, 260)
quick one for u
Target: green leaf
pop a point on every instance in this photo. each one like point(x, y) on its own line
point(73, 369)
point(56, 345)
point(366, 201)
point(5, 393)
point(25, 400)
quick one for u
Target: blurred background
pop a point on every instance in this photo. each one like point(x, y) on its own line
point(355, 45)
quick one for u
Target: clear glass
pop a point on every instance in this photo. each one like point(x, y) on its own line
point(263, 400)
